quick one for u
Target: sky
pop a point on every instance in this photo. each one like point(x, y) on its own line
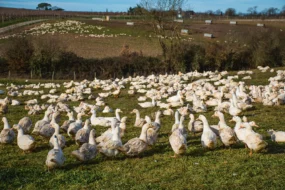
point(123, 5)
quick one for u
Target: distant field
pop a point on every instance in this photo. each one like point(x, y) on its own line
point(88, 47)
point(141, 36)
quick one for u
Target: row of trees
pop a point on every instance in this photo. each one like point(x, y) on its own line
point(140, 9)
point(251, 11)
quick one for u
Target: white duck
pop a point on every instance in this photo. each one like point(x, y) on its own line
point(61, 138)
point(107, 109)
point(178, 140)
point(277, 136)
point(136, 145)
point(148, 104)
point(55, 157)
point(117, 111)
point(75, 126)
point(82, 135)
point(195, 126)
point(39, 124)
point(239, 130)
point(208, 138)
point(253, 140)
point(100, 121)
point(88, 150)
point(175, 98)
point(111, 147)
point(152, 132)
point(142, 98)
point(168, 111)
point(227, 134)
point(184, 110)
point(107, 135)
point(47, 130)
point(116, 93)
point(139, 121)
point(176, 104)
point(176, 123)
point(26, 124)
point(233, 110)
point(123, 126)
point(70, 120)
point(7, 135)
point(25, 142)
point(240, 104)
point(181, 126)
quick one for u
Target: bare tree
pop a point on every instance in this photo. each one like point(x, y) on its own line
point(272, 11)
point(252, 10)
point(163, 14)
point(162, 10)
point(209, 12)
point(230, 12)
point(219, 12)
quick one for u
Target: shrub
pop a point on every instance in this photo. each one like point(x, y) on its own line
point(19, 54)
point(267, 47)
point(4, 65)
point(46, 56)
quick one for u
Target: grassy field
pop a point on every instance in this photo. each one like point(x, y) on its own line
point(154, 169)
point(11, 22)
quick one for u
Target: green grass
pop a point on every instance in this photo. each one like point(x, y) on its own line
point(155, 169)
point(11, 22)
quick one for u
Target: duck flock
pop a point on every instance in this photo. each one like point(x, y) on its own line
point(178, 96)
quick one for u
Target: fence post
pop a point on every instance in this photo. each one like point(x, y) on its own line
point(31, 74)
point(9, 74)
point(74, 76)
point(95, 75)
point(52, 77)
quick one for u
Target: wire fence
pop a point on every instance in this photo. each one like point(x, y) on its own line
point(72, 75)
point(48, 75)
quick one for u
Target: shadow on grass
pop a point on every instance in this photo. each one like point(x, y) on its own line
point(77, 164)
point(275, 148)
point(41, 147)
point(197, 152)
point(158, 148)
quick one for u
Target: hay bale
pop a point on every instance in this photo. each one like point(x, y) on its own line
point(184, 31)
point(208, 21)
point(207, 35)
point(130, 23)
point(260, 25)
